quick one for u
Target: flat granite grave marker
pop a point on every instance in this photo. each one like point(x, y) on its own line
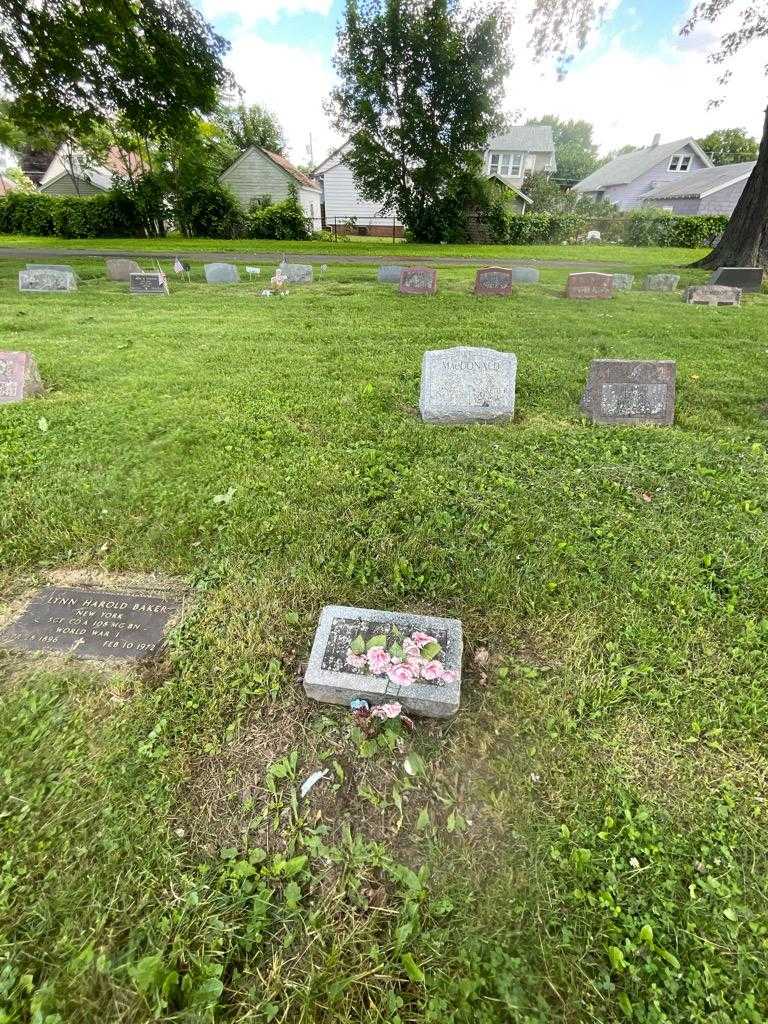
point(589, 286)
point(418, 281)
point(493, 281)
point(749, 279)
point(221, 273)
point(467, 385)
point(384, 657)
point(47, 279)
point(712, 295)
point(623, 282)
point(91, 623)
point(151, 282)
point(661, 282)
point(297, 273)
point(19, 377)
point(119, 269)
point(64, 267)
point(631, 391)
point(389, 274)
point(525, 275)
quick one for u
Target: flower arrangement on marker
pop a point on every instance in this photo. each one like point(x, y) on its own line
point(402, 659)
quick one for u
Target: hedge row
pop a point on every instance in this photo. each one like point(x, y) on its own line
point(109, 215)
point(659, 227)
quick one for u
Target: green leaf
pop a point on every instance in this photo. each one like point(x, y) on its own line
point(615, 955)
point(422, 821)
point(669, 957)
point(207, 992)
point(646, 935)
point(412, 969)
point(414, 765)
point(292, 895)
point(431, 651)
point(396, 650)
point(376, 641)
point(625, 1004)
point(358, 645)
point(148, 973)
point(731, 914)
point(294, 866)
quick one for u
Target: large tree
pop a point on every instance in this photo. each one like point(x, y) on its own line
point(729, 146)
point(558, 24)
point(575, 152)
point(244, 126)
point(420, 88)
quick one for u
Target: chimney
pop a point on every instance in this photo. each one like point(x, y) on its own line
point(656, 140)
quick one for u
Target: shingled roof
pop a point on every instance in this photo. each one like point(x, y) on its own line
point(702, 183)
point(287, 166)
point(630, 166)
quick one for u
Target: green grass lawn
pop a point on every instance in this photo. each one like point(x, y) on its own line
point(645, 260)
point(585, 842)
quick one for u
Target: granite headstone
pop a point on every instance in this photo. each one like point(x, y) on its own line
point(297, 273)
point(712, 295)
point(418, 281)
point(623, 282)
point(119, 269)
point(389, 274)
point(749, 279)
point(386, 657)
point(589, 286)
point(221, 273)
point(525, 275)
point(493, 281)
point(64, 267)
point(19, 377)
point(45, 279)
point(91, 623)
point(467, 385)
point(152, 282)
point(661, 282)
point(630, 391)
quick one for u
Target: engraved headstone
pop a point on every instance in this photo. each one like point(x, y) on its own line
point(386, 657)
point(389, 274)
point(91, 623)
point(712, 295)
point(63, 267)
point(467, 385)
point(493, 281)
point(151, 282)
point(525, 275)
point(418, 281)
point(19, 377)
point(297, 273)
point(44, 279)
point(631, 391)
point(623, 282)
point(221, 273)
point(119, 269)
point(661, 282)
point(749, 279)
point(589, 286)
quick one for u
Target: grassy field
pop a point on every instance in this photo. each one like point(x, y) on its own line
point(585, 842)
point(645, 260)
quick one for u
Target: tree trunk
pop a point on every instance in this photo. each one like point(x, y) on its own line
point(745, 240)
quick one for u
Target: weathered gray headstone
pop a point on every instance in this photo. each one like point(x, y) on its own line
point(297, 273)
point(91, 623)
point(467, 385)
point(119, 269)
point(152, 282)
point(525, 275)
point(623, 282)
point(589, 286)
point(389, 274)
point(749, 279)
point(19, 377)
point(64, 267)
point(712, 295)
point(631, 391)
point(493, 281)
point(661, 282)
point(386, 657)
point(418, 281)
point(221, 273)
point(43, 279)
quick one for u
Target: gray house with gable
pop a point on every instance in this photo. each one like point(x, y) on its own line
point(629, 179)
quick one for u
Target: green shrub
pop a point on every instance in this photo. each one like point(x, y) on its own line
point(652, 226)
point(110, 214)
point(210, 211)
point(531, 228)
point(285, 220)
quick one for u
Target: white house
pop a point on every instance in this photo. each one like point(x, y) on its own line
point(342, 202)
point(259, 172)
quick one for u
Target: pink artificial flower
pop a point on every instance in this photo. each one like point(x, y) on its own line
point(401, 675)
point(448, 677)
point(378, 660)
point(410, 646)
point(414, 663)
point(431, 670)
point(422, 639)
point(387, 710)
point(355, 660)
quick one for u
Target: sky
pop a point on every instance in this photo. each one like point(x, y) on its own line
point(635, 78)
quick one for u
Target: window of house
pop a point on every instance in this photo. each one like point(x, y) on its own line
point(680, 162)
point(506, 165)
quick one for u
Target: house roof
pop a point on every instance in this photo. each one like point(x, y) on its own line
point(528, 138)
point(279, 161)
point(332, 159)
point(630, 166)
point(96, 177)
point(702, 183)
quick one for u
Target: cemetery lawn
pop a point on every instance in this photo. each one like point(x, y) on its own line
point(586, 841)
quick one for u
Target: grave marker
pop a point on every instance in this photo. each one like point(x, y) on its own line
point(389, 274)
point(623, 282)
point(630, 391)
point(64, 267)
point(712, 295)
point(661, 282)
point(19, 377)
point(221, 273)
point(467, 385)
point(345, 665)
point(119, 269)
point(297, 273)
point(493, 281)
point(151, 282)
point(418, 281)
point(525, 275)
point(45, 279)
point(589, 286)
point(91, 623)
point(749, 279)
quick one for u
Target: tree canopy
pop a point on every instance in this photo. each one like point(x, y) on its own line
point(244, 126)
point(729, 146)
point(575, 152)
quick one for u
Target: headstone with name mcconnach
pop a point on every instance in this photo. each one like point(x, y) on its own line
point(467, 385)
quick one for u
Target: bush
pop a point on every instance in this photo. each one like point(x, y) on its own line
point(285, 221)
point(660, 227)
point(108, 215)
point(543, 228)
point(210, 211)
